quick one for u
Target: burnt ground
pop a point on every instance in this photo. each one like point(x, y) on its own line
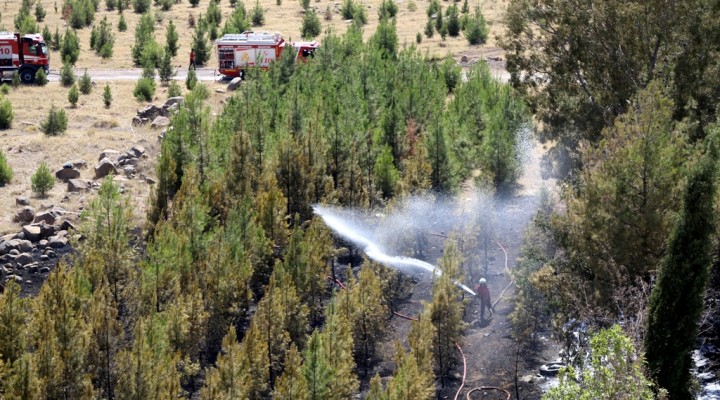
point(493, 356)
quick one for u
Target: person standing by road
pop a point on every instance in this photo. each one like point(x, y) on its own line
point(192, 59)
point(483, 292)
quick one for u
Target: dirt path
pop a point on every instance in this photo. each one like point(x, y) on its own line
point(133, 74)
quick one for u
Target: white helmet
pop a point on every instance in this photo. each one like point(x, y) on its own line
point(482, 281)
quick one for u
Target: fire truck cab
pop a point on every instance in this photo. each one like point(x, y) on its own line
point(24, 54)
point(239, 52)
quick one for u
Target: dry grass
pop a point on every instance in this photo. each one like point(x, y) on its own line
point(286, 19)
point(91, 129)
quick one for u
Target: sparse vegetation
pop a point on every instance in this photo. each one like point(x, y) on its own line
point(42, 180)
point(476, 30)
point(174, 89)
point(191, 79)
point(67, 74)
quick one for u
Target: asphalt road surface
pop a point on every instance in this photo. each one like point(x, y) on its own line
point(133, 74)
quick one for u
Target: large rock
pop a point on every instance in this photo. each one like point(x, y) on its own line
point(138, 151)
point(67, 226)
point(80, 164)
point(8, 245)
point(57, 242)
point(78, 185)
point(22, 201)
point(65, 174)
point(108, 153)
point(25, 246)
point(46, 231)
point(24, 259)
point(149, 112)
point(26, 214)
point(105, 168)
point(172, 101)
point(129, 171)
point(160, 122)
point(49, 217)
point(234, 84)
point(32, 232)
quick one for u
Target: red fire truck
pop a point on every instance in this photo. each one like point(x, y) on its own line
point(239, 52)
point(25, 54)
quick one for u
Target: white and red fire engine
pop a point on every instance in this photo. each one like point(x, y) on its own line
point(24, 54)
point(239, 52)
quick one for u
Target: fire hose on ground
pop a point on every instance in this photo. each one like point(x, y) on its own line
point(462, 383)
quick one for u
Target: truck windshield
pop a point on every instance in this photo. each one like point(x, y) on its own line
point(43, 49)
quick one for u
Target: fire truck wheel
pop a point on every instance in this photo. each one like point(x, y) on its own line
point(27, 76)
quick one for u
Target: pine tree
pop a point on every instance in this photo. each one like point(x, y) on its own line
point(6, 112)
point(39, 12)
point(227, 379)
point(13, 319)
point(42, 180)
point(446, 312)
point(681, 283)
point(56, 122)
point(316, 370)
point(166, 71)
point(368, 316)
point(143, 37)
point(73, 95)
point(122, 24)
point(171, 39)
point(6, 172)
point(60, 338)
point(107, 96)
point(291, 385)
point(105, 341)
point(200, 45)
point(85, 85)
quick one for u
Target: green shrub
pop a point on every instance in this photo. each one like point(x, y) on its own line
point(171, 39)
point(122, 24)
point(6, 172)
point(191, 80)
point(166, 71)
point(85, 83)
point(73, 95)
point(388, 9)
point(476, 30)
point(41, 77)
point(15, 80)
point(310, 25)
point(453, 21)
point(56, 122)
point(258, 14)
point(107, 96)
point(102, 39)
point(144, 89)
point(6, 112)
point(411, 6)
point(5, 88)
point(67, 75)
point(174, 90)
point(70, 48)
point(42, 180)
point(39, 12)
point(418, 38)
point(141, 6)
point(47, 35)
point(305, 4)
point(110, 4)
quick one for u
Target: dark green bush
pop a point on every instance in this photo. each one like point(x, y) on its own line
point(6, 112)
point(42, 180)
point(6, 172)
point(56, 122)
point(144, 89)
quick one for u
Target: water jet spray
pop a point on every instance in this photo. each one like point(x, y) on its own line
point(357, 235)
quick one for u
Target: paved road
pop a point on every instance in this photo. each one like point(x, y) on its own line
point(133, 74)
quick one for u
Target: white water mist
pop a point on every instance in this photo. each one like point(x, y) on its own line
point(360, 236)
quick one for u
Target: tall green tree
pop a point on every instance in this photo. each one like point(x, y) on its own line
point(676, 301)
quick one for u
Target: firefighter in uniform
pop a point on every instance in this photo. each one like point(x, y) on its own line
point(484, 294)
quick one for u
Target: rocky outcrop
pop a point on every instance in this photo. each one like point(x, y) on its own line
point(67, 172)
point(78, 185)
point(25, 214)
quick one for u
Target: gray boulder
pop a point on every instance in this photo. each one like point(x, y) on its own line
point(160, 122)
point(129, 171)
point(26, 214)
point(138, 151)
point(24, 259)
point(79, 164)
point(8, 245)
point(32, 232)
point(172, 102)
point(25, 245)
point(44, 270)
point(67, 226)
point(149, 112)
point(234, 84)
point(105, 168)
point(65, 174)
point(108, 153)
point(78, 185)
point(57, 242)
point(22, 201)
point(49, 217)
